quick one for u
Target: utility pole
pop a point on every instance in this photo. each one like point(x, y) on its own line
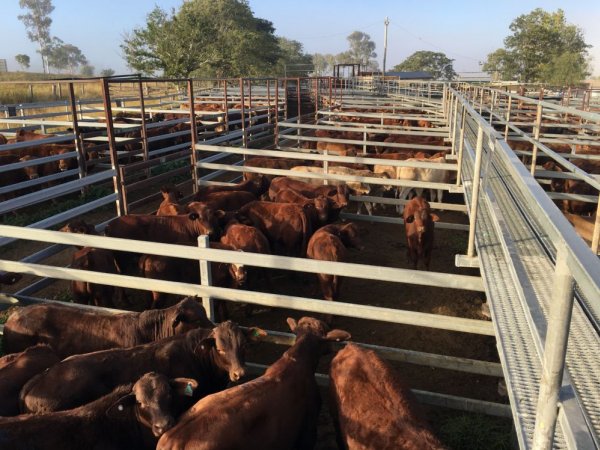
point(386, 23)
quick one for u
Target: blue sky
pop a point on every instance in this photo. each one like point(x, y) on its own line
point(466, 31)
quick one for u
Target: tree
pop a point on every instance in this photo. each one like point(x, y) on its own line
point(65, 56)
point(362, 50)
point(107, 73)
point(541, 43)
point(37, 22)
point(323, 64)
point(292, 60)
point(23, 61)
point(204, 38)
point(87, 70)
point(436, 63)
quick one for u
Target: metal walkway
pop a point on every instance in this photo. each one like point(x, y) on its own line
point(516, 259)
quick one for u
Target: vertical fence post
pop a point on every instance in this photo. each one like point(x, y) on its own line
point(285, 95)
point(555, 349)
point(226, 107)
point(325, 166)
point(506, 128)
point(243, 115)
point(461, 145)
point(143, 130)
point(299, 105)
point(206, 278)
point(454, 125)
point(269, 101)
point(277, 113)
point(194, 135)
point(475, 194)
point(81, 159)
point(118, 181)
point(596, 234)
point(536, 136)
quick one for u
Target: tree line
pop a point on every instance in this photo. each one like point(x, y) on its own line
point(223, 38)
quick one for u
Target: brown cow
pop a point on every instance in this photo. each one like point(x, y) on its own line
point(72, 330)
point(215, 356)
point(372, 407)
point(276, 411)
point(419, 222)
point(257, 186)
point(270, 163)
point(16, 369)
point(225, 200)
point(133, 416)
point(287, 226)
point(321, 203)
point(329, 244)
point(575, 186)
point(170, 205)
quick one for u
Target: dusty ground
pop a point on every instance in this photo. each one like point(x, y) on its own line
point(385, 245)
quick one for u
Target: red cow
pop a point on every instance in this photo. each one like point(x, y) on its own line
point(287, 226)
point(419, 224)
point(277, 411)
point(329, 244)
point(372, 406)
point(321, 203)
point(170, 205)
point(257, 186)
point(225, 200)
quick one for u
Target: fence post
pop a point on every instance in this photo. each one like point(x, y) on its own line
point(555, 349)
point(143, 131)
point(475, 194)
point(112, 145)
point(243, 115)
point(454, 125)
point(596, 234)
point(461, 145)
point(269, 101)
point(206, 278)
point(194, 135)
point(536, 136)
point(81, 157)
point(325, 166)
point(299, 104)
point(506, 128)
point(277, 113)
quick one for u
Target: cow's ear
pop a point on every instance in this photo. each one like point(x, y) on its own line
point(255, 333)
point(292, 324)
point(184, 386)
point(118, 408)
point(207, 344)
point(193, 216)
point(434, 217)
point(219, 213)
point(409, 219)
point(338, 335)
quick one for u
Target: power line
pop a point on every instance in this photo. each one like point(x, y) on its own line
point(343, 33)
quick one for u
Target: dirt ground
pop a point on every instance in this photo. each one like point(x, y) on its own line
point(385, 245)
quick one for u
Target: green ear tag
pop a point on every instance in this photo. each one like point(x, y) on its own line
point(189, 390)
point(256, 332)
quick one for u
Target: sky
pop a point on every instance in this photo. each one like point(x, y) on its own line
point(466, 31)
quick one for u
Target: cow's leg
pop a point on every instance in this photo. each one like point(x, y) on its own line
point(402, 194)
point(307, 438)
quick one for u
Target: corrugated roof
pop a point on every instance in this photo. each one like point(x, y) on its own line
point(420, 74)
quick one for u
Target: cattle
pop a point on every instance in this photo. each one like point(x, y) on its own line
point(270, 163)
point(570, 186)
point(329, 243)
point(321, 203)
point(9, 278)
point(357, 187)
point(132, 416)
point(16, 369)
point(167, 229)
point(286, 225)
point(372, 407)
point(419, 222)
point(257, 186)
point(339, 193)
point(3, 139)
point(225, 201)
point(97, 260)
point(431, 175)
point(72, 330)
point(214, 356)
point(187, 271)
point(276, 411)
point(170, 205)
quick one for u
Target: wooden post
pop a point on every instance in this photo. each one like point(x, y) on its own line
point(506, 128)
point(536, 136)
point(206, 278)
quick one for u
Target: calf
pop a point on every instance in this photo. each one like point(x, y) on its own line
point(287, 226)
point(277, 411)
point(73, 330)
point(320, 203)
point(372, 407)
point(226, 200)
point(170, 205)
point(215, 356)
point(132, 416)
point(329, 244)
point(419, 224)
point(431, 175)
point(16, 369)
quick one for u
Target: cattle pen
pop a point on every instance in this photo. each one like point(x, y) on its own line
point(540, 279)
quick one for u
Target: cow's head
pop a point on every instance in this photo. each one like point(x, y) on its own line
point(32, 172)
point(186, 315)
point(350, 236)
point(238, 273)
point(170, 193)
point(419, 218)
point(322, 206)
point(79, 226)
point(315, 327)
point(228, 342)
point(206, 220)
point(152, 396)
